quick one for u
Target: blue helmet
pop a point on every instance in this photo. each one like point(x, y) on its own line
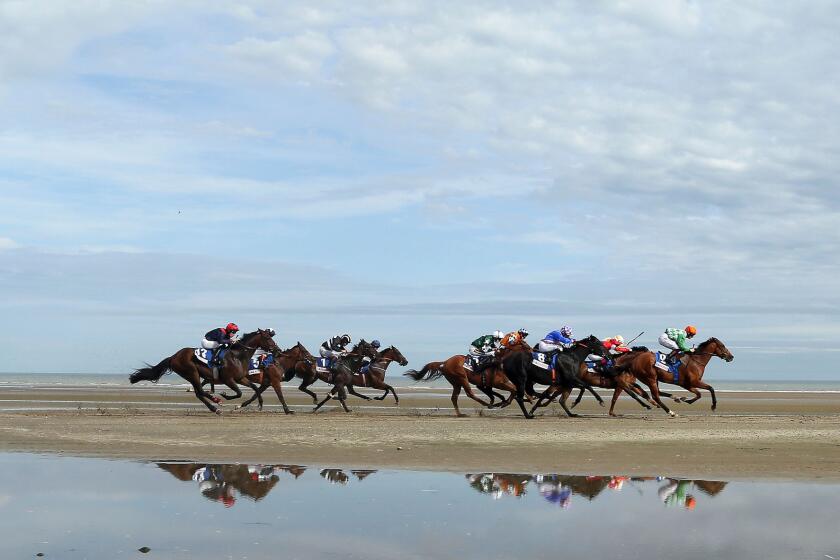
point(376, 344)
point(566, 331)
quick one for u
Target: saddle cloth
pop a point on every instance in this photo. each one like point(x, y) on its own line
point(322, 365)
point(661, 363)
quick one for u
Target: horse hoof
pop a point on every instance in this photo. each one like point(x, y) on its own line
point(218, 412)
point(601, 403)
point(237, 407)
point(289, 411)
point(672, 414)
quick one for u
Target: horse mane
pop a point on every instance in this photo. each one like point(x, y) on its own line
point(707, 342)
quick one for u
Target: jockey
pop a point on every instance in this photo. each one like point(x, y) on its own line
point(556, 341)
point(514, 338)
point(483, 347)
point(261, 355)
point(335, 347)
point(218, 339)
point(676, 340)
point(366, 360)
point(614, 347)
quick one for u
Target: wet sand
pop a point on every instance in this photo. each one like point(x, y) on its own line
point(751, 436)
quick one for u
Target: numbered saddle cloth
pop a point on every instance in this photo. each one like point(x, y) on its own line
point(468, 362)
point(257, 362)
point(541, 360)
point(205, 356)
point(663, 364)
point(322, 365)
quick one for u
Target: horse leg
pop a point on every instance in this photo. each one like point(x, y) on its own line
point(263, 386)
point(696, 398)
point(456, 390)
point(579, 397)
point(342, 396)
point(489, 392)
point(203, 396)
point(330, 395)
point(257, 393)
point(563, 397)
point(468, 390)
point(389, 388)
point(598, 398)
point(303, 387)
point(352, 391)
point(704, 385)
point(654, 392)
point(236, 392)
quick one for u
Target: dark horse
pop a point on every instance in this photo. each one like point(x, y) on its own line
point(341, 376)
point(524, 374)
point(486, 378)
point(283, 369)
point(375, 375)
point(234, 368)
point(692, 367)
point(308, 373)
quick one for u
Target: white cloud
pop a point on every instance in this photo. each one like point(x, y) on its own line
point(6, 243)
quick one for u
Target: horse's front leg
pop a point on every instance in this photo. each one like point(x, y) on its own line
point(352, 390)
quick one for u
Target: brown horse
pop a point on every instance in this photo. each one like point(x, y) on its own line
point(619, 381)
point(487, 379)
point(234, 368)
point(692, 367)
point(375, 375)
point(283, 369)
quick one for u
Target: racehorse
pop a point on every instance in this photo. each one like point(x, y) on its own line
point(619, 381)
point(690, 372)
point(309, 374)
point(486, 379)
point(375, 375)
point(524, 374)
point(282, 369)
point(342, 373)
point(234, 368)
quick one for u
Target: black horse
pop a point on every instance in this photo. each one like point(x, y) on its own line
point(564, 375)
point(341, 376)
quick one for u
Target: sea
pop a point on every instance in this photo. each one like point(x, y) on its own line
point(109, 380)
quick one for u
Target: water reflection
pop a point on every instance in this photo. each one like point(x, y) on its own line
point(225, 483)
point(559, 489)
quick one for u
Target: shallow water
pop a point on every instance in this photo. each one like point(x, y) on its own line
point(72, 508)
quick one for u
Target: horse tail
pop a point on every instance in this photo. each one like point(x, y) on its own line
point(430, 371)
point(150, 373)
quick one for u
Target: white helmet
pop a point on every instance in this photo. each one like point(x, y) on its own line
point(618, 338)
point(498, 335)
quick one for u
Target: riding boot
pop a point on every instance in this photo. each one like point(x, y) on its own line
point(672, 357)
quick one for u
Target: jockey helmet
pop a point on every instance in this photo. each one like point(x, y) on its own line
point(376, 344)
point(498, 335)
point(690, 502)
point(566, 331)
point(618, 338)
point(523, 332)
point(346, 338)
point(691, 330)
point(270, 331)
point(231, 327)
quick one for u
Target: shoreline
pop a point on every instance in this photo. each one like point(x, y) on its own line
point(765, 436)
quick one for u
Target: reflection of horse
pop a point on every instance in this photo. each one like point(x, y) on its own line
point(335, 476)
point(254, 482)
point(691, 370)
point(234, 368)
point(486, 379)
point(558, 488)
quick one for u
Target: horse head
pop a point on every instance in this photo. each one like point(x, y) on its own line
point(364, 348)
point(393, 354)
point(593, 344)
point(715, 347)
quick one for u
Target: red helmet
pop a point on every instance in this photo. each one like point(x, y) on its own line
point(232, 327)
point(691, 330)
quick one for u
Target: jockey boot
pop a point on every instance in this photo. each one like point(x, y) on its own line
point(672, 357)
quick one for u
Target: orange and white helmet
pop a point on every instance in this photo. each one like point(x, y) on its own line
point(618, 338)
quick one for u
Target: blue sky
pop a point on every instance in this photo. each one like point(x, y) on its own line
point(420, 173)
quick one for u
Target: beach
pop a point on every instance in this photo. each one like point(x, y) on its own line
point(752, 435)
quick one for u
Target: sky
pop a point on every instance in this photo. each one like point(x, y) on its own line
point(418, 172)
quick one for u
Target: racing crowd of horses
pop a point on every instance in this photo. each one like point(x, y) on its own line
point(512, 370)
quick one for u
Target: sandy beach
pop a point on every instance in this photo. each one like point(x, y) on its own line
point(751, 436)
